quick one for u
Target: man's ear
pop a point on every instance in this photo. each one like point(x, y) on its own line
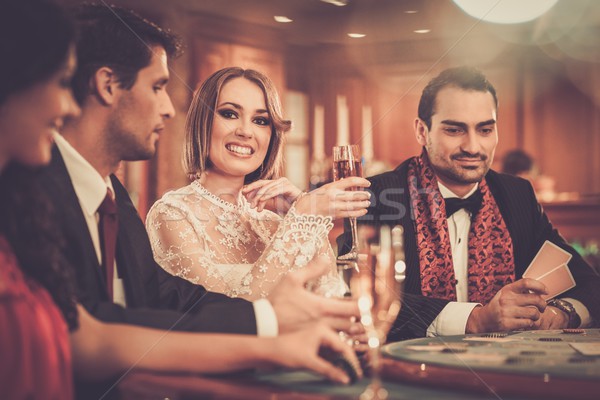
point(421, 131)
point(104, 84)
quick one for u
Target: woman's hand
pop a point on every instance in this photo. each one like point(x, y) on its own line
point(276, 195)
point(338, 199)
point(302, 349)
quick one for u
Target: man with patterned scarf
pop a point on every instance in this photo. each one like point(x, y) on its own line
point(470, 232)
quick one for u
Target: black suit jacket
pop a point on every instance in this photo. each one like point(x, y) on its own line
point(154, 297)
point(527, 224)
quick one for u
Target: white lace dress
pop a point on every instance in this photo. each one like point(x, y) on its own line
point(232, 248)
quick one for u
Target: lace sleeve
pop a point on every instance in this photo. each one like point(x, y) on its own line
point(331, 284)
point(184, 248)
point(177, 248)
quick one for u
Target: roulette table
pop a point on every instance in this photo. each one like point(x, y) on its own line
point(558, 364)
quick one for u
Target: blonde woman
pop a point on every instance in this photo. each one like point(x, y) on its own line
point(217, 232)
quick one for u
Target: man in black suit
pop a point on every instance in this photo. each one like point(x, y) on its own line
point(465, 259)
point(121, 87)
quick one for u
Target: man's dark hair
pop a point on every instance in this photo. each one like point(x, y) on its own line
point(110, 36)
point(466, 78)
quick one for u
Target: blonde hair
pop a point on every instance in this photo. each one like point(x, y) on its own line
point(198, 125)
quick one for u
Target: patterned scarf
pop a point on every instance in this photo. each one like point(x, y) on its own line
point(491, 263)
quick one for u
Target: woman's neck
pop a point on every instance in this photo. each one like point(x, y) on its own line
point(225, 187)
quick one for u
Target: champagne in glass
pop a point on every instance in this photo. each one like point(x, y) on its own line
point(347, 163)
point(377, 283)
point(346, 168)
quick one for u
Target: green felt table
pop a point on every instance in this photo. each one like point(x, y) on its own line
point(517, 367)
point(533, 363)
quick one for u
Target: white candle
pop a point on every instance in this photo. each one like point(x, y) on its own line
point(367, 133)
point(343, 121)
point(319, 136)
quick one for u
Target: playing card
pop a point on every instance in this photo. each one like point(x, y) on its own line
point(557, 281)
point(587, 348)
point(547, 259)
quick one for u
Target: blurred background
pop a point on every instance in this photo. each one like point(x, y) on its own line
point(351, 71)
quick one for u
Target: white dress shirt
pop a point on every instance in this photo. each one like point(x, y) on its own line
point(453, 318)
point(90, 188)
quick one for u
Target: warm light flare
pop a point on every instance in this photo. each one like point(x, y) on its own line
point(339, 3)
point(282, 19)
point(373, 342)
point(357, 35)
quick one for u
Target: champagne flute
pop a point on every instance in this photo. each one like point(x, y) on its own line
point(377, 283)
point(347, 163)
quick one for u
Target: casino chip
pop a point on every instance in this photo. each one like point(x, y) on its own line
point(573, 331)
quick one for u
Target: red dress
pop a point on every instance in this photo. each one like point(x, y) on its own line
point(35, 357)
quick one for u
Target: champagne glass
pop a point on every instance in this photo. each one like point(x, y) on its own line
point(347, 163)
point(377, 283)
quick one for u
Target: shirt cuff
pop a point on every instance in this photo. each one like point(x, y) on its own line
point(582, 311)
point(266, 319)
point(452, 320)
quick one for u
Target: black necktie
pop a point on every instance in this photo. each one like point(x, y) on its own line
point(107, 227)
point(471, 203)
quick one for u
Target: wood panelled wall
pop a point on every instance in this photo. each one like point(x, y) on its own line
point(562, 122)
point(542, 110)
point(549, 107)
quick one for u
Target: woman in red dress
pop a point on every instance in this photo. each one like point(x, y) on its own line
point(44, 334)
point(35, 358)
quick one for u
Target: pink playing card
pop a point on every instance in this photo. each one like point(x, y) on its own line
point(547, 259)
point(557, 281)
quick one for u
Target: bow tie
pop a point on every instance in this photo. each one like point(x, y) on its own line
point(471, 203)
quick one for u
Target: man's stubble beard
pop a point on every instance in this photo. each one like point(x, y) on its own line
point(455, 174)
point(458, 176)
point(125, 145)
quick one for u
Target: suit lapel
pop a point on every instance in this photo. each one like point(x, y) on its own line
point(58, 185)
point(392, 207)
point(413, 281)
point(131, 268)
point(509, 204)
